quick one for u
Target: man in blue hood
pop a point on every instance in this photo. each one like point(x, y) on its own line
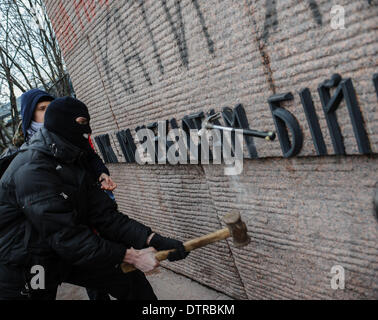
point(33, 106)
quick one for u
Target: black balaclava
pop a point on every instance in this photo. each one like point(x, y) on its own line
point(61, 116)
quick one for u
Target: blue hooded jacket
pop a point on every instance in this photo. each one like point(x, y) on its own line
point(29, 101)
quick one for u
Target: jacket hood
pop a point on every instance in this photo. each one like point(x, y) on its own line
point(53, 145)
point(29, 102)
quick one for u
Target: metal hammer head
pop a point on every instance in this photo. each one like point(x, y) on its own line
point(237, 228)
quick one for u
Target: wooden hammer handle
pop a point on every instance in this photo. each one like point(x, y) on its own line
point(189, 246)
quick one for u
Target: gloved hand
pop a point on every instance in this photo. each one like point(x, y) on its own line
point(163, 243)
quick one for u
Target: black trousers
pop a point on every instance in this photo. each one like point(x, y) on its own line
point(122, 286)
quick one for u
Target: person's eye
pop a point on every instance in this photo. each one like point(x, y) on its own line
point(82, 121)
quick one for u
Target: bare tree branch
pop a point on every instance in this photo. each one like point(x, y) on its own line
point(30, 56)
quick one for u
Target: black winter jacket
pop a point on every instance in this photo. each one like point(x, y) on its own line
point(95, 164)
point(48, 207)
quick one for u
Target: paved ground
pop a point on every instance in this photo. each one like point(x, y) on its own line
point(167, 286)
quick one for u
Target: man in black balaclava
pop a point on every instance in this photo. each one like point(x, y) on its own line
point(69, 118)
point(51, 205)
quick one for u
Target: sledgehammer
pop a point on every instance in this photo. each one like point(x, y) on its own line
point(236, 229)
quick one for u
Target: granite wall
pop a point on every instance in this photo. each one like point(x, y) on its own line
point(138, 62)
